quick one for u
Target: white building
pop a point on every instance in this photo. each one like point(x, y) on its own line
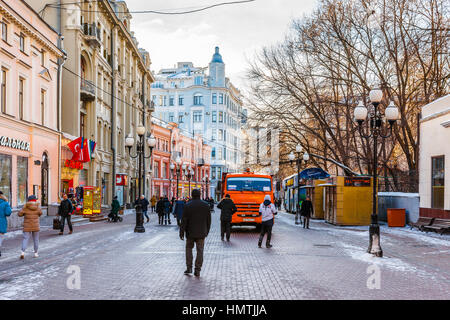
point(201, 100)
point(434, 159)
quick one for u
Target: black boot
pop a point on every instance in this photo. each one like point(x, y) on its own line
point(268, 245)
point(188, 271)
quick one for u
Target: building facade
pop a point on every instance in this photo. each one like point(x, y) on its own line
point(202, 101)
point(29, 129)
point(105, 90)
point(194, 156)
point(434, 159)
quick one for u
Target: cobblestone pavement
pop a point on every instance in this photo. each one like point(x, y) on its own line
point(324, 262)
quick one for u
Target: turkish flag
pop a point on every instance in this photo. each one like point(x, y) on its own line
point(75, 147)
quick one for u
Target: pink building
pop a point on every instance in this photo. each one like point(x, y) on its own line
point(29, 133)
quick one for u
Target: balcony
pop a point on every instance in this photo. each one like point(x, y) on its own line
point(87, 90)
point(92, 34)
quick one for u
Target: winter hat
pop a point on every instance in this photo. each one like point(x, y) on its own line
point(267, 197)
point(32, 198)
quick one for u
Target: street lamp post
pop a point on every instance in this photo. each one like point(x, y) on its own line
point(140, 154)
point(375, 131)
point(299, 159)
point(177, 168)
point(189, 173)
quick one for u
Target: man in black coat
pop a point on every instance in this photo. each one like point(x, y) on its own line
point(64, 211)
point(306, 211)
point(144, 206)
point(228, 208)
point(195, 223)
point(160, 210)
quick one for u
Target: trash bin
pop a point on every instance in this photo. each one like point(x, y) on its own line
point(396, 217)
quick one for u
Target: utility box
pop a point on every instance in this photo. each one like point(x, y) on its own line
point(396, 217)
point(347, 201)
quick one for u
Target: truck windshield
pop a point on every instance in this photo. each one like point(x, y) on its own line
point(249, 184)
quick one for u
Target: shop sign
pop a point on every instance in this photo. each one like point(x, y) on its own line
point(357, 182)
point(73, 164)
point(14, 143)
point(121, 180)
point(290, 182)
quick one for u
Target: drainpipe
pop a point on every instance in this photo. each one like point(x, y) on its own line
point(61, 63)
point(113, 111)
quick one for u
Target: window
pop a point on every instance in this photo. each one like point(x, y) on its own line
point(213, 135)
point(224, 153)
point(171, 117)
point(221, 98)
point(82, 124)
point(3, 91)
point(160, 100)
point(171, 101)
point(198, 100)
point(180, 117)
point(43, 96)
point(213, 153)
point(180, 100)
point(164, 101)
point(198, 80)
point(154, 99)
point(219, 155)
point(437, 182)
point(214, 98)
point(197, 116)
point(214, 116)
point(5, 175)
point(21, 86)
point(22, 177)
point(156, 170)
point(220, 116)
point(4, 31)
point(164, 170)
point(220, 134)
point(22, 42)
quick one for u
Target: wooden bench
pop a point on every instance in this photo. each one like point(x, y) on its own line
point(439, 225)
point(421, 223)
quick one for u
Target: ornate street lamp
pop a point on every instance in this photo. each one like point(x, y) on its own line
point(140, 154)
point(375, 130)
point(299, 159)
point(176, 167)
point(189, 173)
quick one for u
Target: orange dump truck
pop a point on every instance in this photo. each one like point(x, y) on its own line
point(247, 190)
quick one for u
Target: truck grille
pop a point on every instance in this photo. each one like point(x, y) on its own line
point(247, 209)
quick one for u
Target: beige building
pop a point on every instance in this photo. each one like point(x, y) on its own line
point(434, 159)
point(29, 129)
point(105, 88)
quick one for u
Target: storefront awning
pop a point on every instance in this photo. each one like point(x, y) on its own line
point(313, 173)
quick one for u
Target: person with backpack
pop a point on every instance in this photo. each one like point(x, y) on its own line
point(31, 213)
point(228, 208)
point(268, 211)
point(5, 211)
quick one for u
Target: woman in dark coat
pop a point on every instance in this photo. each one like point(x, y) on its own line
point(306, 211)
point(178, 210)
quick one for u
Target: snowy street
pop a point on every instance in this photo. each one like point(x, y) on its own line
point(324, 262)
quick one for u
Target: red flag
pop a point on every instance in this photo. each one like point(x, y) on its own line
point(75, 147)
point(86, 152)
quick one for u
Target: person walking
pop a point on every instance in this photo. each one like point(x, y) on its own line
point(31, 213)
point(306, 211)
point(153, 202)
point(5, 211)
point(115, 207)
point(166, 210)
point(228, 208)
point(268, 211)
point(178, 210)
point(144, 206)
point(160, 210)
point(195, 224)
point(65, 210)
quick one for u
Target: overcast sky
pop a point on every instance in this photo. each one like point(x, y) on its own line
point(239, 30)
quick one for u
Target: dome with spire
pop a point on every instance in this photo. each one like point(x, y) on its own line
point(217, 57)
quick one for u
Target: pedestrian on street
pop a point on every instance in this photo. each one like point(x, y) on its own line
point(268, 211)
point(211, 204)
point(65, 210)
point(160, 210)
point(178, 210)
point(31, 213)
point(228, 208)
point(144, 206)
point(115, 207)
point(298, 218)
point(306, 211)
point(5, 211)
point(195, 224)
point(153, 202)
point(166, 210)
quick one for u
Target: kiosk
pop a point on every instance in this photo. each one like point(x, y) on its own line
point(348, 200)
